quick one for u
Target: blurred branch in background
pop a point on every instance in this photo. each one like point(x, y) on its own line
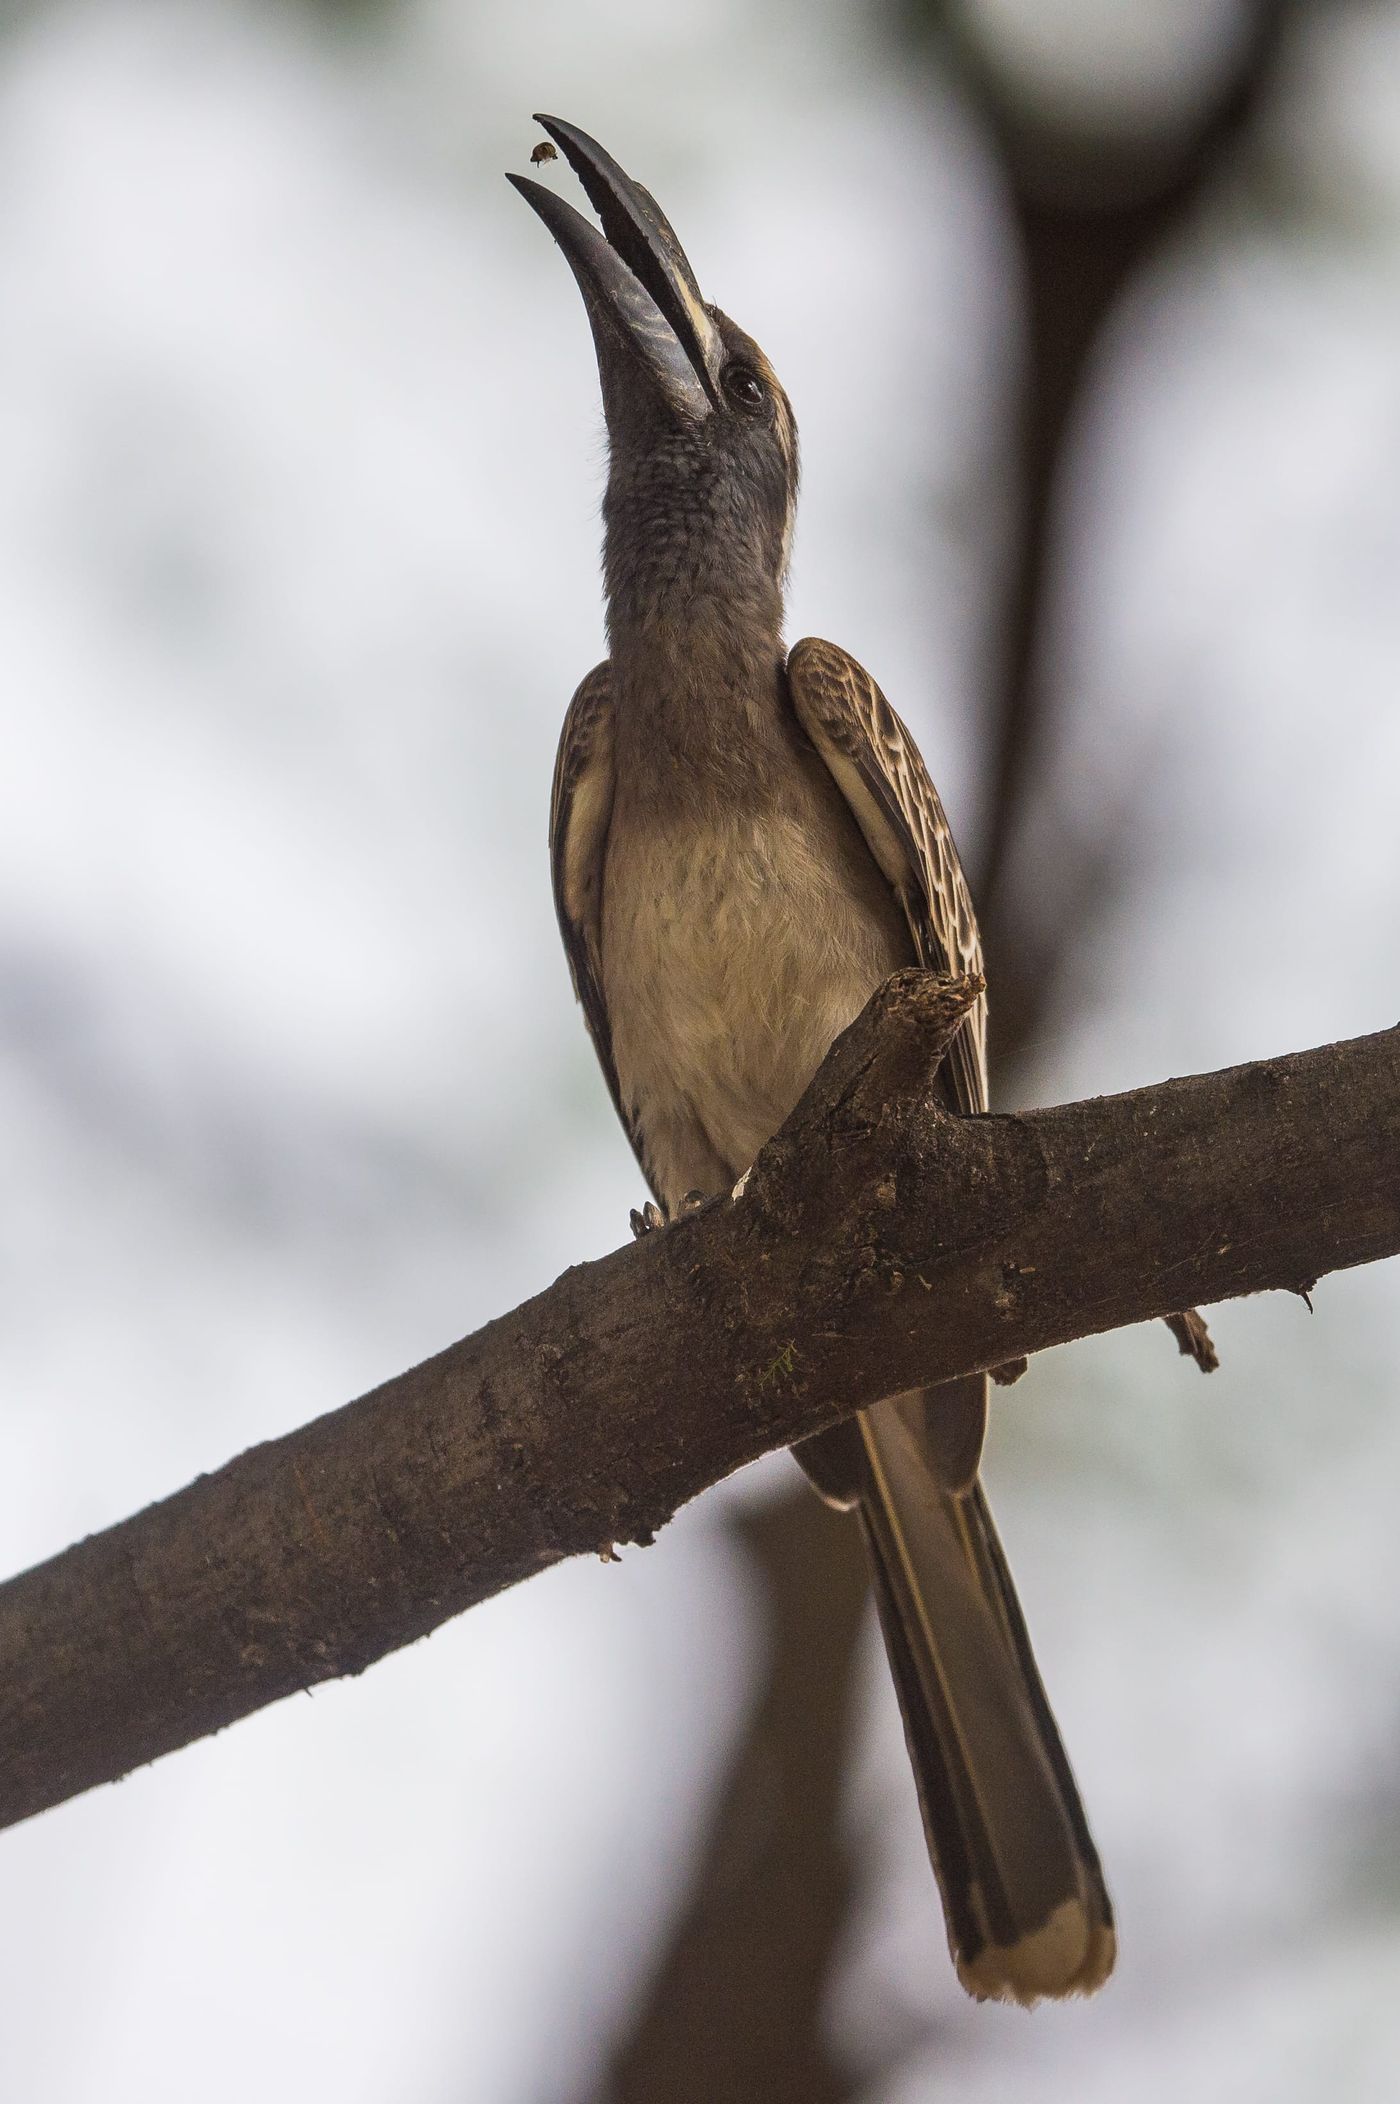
point(898, 1242)
point(1092, 209)
point(736, 2003)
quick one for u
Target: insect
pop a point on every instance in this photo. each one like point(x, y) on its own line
point(543, 152)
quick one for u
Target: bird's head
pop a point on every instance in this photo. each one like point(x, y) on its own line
point(702, 446)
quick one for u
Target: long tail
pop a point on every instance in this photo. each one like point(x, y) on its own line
point(1027, 1911)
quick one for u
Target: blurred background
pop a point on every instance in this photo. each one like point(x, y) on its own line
point(1091, 319)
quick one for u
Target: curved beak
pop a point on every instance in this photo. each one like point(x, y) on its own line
point(639, 288)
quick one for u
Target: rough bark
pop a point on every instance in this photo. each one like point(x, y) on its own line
point(880, 1243)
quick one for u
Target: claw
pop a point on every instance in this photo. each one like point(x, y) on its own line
point(651, 1216)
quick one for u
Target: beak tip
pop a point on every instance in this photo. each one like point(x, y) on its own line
point(635, 253)
point(532, 192)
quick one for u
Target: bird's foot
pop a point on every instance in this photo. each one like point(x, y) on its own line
point(651, 1216)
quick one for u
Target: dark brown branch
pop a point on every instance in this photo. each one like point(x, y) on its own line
point(880, 1244)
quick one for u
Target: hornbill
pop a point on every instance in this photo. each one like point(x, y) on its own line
point(745, 843)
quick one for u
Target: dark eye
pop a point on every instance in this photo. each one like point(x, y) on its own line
point(744, 388)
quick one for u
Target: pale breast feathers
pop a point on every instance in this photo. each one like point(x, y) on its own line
point(717, 947)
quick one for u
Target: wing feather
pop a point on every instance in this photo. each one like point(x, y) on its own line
point(879, 770)
point(580, 813)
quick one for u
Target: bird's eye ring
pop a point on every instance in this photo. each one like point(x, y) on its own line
point(744, 388)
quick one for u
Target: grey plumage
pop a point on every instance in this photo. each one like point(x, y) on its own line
point(744, 845)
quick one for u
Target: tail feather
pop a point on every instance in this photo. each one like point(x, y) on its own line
point(1027, 1910)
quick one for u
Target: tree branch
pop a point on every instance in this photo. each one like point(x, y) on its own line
point(881, 1243)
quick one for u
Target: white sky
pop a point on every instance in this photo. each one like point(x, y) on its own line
point(301, 441)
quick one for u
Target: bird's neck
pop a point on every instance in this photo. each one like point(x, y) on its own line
point(693, 576)
point(713, 635)
point(695, 616)
point(697, 686)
